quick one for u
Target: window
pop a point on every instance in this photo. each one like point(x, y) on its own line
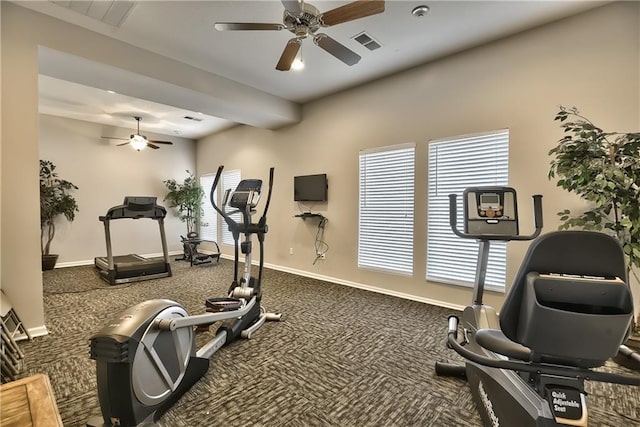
point(229, 180)
point(209, 222)
point(385, 222)
point(455, 164)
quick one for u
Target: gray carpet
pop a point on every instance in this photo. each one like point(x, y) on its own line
point(340, 357)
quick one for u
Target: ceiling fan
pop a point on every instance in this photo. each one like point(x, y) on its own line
point(304, 19)
point(137, 141)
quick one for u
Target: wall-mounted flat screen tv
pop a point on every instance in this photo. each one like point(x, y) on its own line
point(310, 188)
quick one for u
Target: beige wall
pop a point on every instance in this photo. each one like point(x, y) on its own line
point(590, 61)
point(105, 174)
point(22, 32)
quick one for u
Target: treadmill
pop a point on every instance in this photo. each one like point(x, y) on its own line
point(116, 270)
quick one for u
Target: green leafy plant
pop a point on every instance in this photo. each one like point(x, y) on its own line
point(604, 169)
point(55, 200)
point(187, 199)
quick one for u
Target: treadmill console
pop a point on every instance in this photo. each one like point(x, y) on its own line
point(246, 194)
point(139, 203)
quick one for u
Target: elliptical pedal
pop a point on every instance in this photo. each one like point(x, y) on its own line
point(216, 305)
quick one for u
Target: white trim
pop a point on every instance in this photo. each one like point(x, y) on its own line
point(388, 148)
point(469, 135)
point(37, 331)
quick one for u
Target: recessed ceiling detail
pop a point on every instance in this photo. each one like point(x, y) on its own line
point(113, 13)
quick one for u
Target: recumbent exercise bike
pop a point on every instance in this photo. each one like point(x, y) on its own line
point(146, 357)
point(569, 310)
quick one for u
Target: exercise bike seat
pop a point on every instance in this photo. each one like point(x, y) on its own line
point(570, 302)
point(216, 305)
point(495, 340)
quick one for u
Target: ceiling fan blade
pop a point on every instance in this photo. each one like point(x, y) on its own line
point(355, 10)
point(113, 137)
point(242, 26)
point(124, 143)
point(155, 147)
point(161, 142)
point(294, 7)
point(336, 49)
point(289, 54)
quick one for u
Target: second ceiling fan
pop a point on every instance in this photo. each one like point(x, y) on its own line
point(138, 141)
point(304, 19)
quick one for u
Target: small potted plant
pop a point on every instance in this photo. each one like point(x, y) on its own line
point(187, 199)
point(55, 200)
point(604, 169)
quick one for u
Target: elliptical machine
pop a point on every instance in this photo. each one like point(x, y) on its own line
point(146, 357)
point(568, 311)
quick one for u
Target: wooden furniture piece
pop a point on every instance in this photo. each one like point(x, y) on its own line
point(29, 402)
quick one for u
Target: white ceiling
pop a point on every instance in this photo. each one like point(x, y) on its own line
point(184, 31)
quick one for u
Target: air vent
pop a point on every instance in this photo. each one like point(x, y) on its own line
point(195, 119)
point(367, 41)
point(110, 12)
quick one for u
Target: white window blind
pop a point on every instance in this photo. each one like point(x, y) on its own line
point(230, 180)
point(209, 222)
point(455, 164)
point(385, 221)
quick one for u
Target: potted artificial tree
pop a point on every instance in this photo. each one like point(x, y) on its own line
point(604, 169)
point(187, 199)
point(55, 200)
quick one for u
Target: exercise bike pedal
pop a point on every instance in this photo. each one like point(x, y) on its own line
point(216, 305)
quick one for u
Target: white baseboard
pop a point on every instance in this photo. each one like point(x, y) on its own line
point(311, 276)
point(37, 331)
point(370, 288)
point(366, 287)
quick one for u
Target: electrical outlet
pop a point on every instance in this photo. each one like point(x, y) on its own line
point(290, 251)
point(321, 256)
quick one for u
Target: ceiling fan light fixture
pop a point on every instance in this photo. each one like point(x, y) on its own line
point(138, 142)
point(420, 11)
point(297, 64)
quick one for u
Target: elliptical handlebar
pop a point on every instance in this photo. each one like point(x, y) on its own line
point(538, 222)
point(212, 193)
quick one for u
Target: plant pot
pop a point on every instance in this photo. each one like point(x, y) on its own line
point(49, 262)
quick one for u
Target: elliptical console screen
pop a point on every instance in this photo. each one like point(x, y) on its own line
point(247, 193)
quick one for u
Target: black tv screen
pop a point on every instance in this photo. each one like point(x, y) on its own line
point(310, 188)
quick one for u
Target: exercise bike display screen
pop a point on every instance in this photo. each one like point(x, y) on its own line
point(490, 206)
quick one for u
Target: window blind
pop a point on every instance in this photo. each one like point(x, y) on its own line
point(455, 164)
point(386, 205)
point(209, 223)
point(230, 180)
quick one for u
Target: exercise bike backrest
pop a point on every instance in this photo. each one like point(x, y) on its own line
point(491, 213)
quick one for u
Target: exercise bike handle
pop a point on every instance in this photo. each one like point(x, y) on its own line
point(536, 368)
point(538, 223)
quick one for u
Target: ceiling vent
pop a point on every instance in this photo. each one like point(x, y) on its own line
point(195, 119)
point(110, 12)
point(367, 41)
